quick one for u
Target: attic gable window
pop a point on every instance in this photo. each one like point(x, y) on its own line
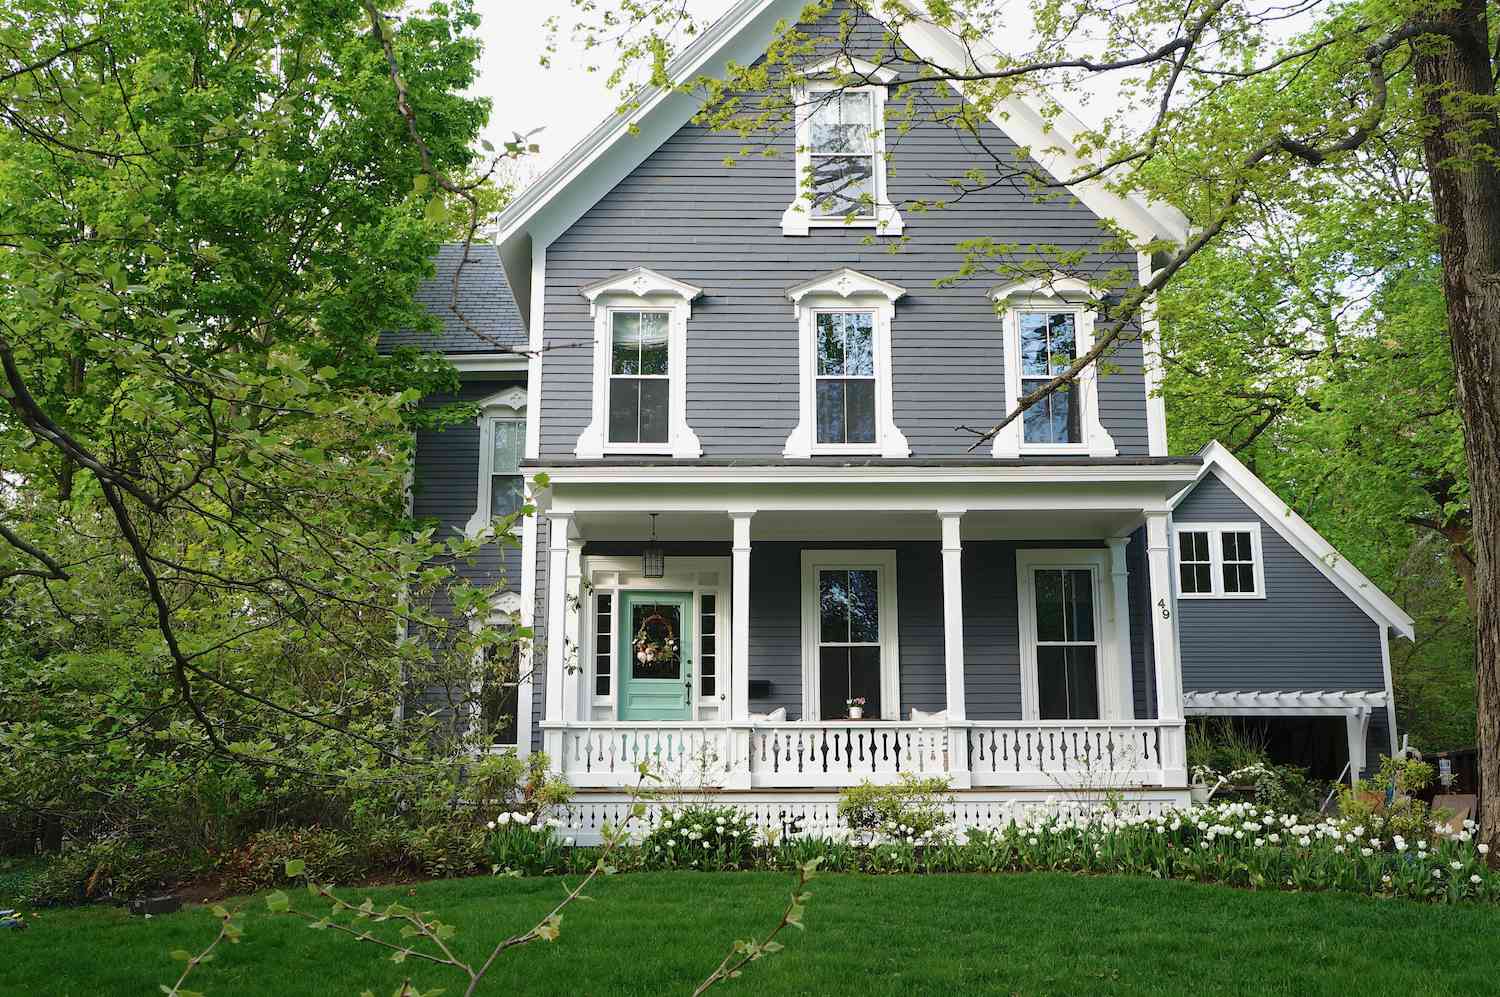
point(1219, 561)
point(845, 388)
point(841, 167)
point(1048, 322)
point(640, 367)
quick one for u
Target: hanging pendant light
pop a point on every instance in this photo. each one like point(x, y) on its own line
point(653, 558)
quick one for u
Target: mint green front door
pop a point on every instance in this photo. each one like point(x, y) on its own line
point(656, 646)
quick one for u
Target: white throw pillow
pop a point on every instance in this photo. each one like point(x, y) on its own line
point(922, 716)
point(776, 716)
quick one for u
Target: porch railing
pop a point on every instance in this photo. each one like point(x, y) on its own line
point(1063, 755)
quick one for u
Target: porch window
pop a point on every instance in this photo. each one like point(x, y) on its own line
point(1220, 561)
point(1049, 342)
point(849, 633)
point(639, 384)
point(846, 377)
point(1067, 646)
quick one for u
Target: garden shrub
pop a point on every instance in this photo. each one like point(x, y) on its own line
point(912, 810)
point(110, 869)
point(701, 836)
point(1387, 797)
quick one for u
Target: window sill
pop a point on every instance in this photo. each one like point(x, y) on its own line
point(797, 221)
point(1225, 597)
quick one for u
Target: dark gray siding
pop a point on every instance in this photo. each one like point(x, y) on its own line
point(444, 492)
point(1142, 648)
point(683, 213)
point(1306, 634)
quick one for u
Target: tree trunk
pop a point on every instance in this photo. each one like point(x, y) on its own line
point(1466, 201)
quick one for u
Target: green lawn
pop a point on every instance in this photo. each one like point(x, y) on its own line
point(660, 933)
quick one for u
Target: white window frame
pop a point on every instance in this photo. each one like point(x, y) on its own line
point(884, 563)
point(1110, 633)
point(508, 405)
point(1055, 293)
point(1215, 533)
point(841, 72)
point(640, 290)
point(845, 290)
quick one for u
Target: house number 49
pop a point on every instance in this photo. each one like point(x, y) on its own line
point(1166, 613)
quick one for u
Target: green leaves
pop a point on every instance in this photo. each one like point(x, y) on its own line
point(278, 902)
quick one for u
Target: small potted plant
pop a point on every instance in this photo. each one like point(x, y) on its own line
point(856, 707)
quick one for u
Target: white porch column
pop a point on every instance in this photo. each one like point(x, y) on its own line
point(1164, 636)
point(739, 654)
point(1119, 575)
point(557, 612)
point(953, 611)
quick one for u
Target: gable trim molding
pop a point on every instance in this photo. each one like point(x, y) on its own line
point(1300, 535)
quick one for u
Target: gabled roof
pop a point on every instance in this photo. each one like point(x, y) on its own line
point(621, 142)
point(484, 297)
point(1295, 530)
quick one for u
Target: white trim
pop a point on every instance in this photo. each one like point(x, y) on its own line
point(1215, 533)
point(526, 692)
point(798, 218)
point(1152, 366)
point(1106, 637)
point(1283, 700)
point(1390, 690)
point(1052, 295)
point(622, 141)
point(844, 65)
point(640, 290)
point(739, 655)
point(884, 562)
point(538, 342)
point(1304, 539)
point(508, 405)
point(772, 474)
point(488, 363)
point(840, 291)
point(953, 615)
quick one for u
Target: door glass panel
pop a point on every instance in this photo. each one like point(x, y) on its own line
point(1066, 651)
point(656, 647)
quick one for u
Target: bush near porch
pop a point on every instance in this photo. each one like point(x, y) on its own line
point(660, 933)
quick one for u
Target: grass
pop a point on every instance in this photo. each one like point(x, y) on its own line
point(661, 933)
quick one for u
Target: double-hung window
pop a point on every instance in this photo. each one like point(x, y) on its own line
point(1048, 323)
point(499, 699)
point(1219, 561)
point(1049, 345)
point(640, 366)
point(501, 490)
point(640, 388)
point(845, 398)
point(841, 168)
point(846, 377)
point(1067, 644)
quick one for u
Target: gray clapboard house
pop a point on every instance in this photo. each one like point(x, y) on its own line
point(840, 588)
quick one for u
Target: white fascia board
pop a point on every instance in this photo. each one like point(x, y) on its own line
point(623, 141)
point(1283, 701)
point(1169, 474)
point(488, 363)
point(1296, 531)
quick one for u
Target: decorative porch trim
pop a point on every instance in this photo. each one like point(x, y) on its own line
point(1283, 701)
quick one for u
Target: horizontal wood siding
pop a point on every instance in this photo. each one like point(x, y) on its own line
point(1306, 634)
point(688, 216)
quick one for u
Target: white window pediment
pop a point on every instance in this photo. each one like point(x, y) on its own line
point(640, 366)
point(1055, 313)
point(502, 441)
point(845, 393)
point(841, 149)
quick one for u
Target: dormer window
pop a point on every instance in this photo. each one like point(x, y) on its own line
point(640, 367)
point(1048, 322)
point(841, 168)
point(845, 393)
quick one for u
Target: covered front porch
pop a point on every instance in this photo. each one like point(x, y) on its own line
point(1001, 627)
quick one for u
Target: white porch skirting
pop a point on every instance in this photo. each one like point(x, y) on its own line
point(1060, 756)
point(815, 812)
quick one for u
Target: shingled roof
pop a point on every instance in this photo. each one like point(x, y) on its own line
point(484, 297)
